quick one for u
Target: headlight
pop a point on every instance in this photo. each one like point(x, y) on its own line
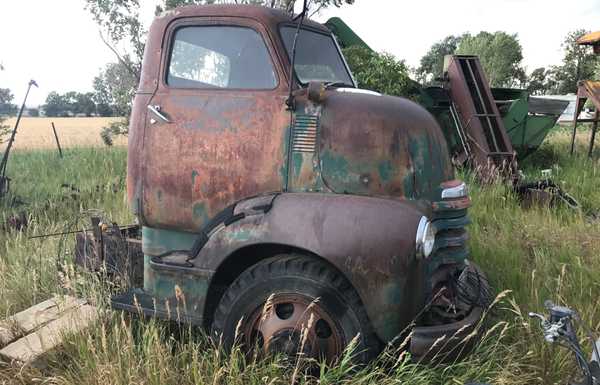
point(425, 238)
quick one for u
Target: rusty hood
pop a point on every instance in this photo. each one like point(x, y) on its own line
point(379, 145)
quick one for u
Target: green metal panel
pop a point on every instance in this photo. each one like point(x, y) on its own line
point(345, 35)
point(528, 137)
point(156, 241)
point(526, 132)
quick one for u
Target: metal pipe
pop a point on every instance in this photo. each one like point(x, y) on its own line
point(575, 121)
point(14, 132)
point(57, 142)
point(593, 137)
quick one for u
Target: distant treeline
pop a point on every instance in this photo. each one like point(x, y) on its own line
point(74, 103)
point(71, 103)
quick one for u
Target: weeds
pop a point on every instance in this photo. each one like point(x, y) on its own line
point(530, 255)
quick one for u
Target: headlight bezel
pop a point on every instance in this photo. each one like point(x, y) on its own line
point(425, 238)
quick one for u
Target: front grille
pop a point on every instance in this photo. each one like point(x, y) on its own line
point(450, 241)
point(450, 218)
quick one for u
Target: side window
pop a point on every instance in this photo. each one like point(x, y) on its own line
point(220, 57)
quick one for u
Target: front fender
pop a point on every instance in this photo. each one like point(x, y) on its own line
point(369, 240)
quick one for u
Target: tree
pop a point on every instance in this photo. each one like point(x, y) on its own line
point(56, 105)
point(120, 24)
point(538, 81)
point(380, 72)
point(114, 89)
point(579, 63)
point(69, 104)
point(3, 127)
point(102, 96)
point(500, 54)
point(84, 104)
point(314, 6)
point(7, 108)
point(432, 63)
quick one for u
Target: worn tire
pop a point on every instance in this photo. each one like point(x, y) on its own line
point(295, 275)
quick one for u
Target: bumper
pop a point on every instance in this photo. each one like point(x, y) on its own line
point(451, 341)
point(446, 342)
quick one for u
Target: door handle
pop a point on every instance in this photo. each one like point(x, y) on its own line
point(156, 111)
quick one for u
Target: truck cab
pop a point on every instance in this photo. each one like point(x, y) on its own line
point(285, 209)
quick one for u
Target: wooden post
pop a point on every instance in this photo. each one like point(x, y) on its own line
point(594, 128)
point(57, 142)
point(580, 101)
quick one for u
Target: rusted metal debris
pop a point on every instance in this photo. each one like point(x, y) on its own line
point(544, 193)
point(586, 89)
point(17, 221)
point(4, 180)
point(110, 248)
point(592, 39)
point(483, 137)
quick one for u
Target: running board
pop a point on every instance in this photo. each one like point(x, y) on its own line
point(136, 301)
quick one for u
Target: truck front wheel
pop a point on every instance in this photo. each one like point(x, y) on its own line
point(296, 306)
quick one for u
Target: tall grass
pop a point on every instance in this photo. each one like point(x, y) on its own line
point(536, 254)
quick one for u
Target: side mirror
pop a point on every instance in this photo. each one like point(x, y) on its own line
point(316, 92)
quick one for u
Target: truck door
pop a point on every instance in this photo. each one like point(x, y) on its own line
point(216, 125)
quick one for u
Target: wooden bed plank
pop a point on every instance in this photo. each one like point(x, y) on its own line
point(36, 316)
point(29, 348)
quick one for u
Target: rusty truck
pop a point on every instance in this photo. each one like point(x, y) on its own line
point(282, 207)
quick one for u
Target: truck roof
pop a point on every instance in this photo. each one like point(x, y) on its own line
point(268, 16)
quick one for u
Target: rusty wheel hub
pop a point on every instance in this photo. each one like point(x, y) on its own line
point(294, 325)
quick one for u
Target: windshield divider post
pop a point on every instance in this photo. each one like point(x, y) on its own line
point(290, 100)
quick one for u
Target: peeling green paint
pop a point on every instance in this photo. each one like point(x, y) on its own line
point(336, 171)
point(240, 235)
point(176, 291)
point(160, 241)
point(283, 170)
point(297, 160)
point(385, 169)
point(199, 213)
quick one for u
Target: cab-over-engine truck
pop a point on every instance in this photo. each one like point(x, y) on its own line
point(291, 220)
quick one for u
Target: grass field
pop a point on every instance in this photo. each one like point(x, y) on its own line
point(536, 254)
point(36, 133)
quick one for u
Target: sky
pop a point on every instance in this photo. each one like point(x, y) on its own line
point(58, 44)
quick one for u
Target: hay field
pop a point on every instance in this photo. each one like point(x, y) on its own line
point(36, 133)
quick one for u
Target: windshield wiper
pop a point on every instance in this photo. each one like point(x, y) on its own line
point(338, 84)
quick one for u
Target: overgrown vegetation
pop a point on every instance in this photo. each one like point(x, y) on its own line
point(7, 108)
point(380, 72)
point(537, 254)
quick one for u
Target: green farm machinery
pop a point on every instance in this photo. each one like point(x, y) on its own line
point(485, 127)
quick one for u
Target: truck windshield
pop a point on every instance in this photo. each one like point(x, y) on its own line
point(317, 57)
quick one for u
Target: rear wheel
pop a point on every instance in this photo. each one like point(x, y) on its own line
point(296, 306)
